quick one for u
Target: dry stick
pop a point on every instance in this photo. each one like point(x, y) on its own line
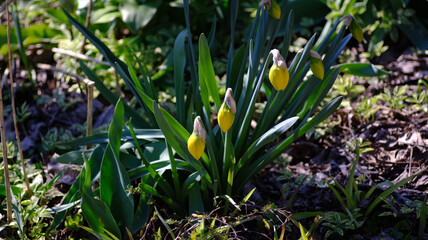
point(52, 68)
point(3, 133)
point(3, 7)
point(88, 19)
point(12, 95)
point(79, 56)
point(90, 107)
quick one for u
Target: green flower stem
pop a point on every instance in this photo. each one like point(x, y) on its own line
point(174, 172)
point(228, 161)
point(214, 168)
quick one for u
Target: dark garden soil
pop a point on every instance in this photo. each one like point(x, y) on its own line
point(399, 139)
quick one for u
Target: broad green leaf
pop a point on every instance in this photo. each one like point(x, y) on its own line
point(58, 15)
point(95, 211)
point(362, 69)
point(17, 214)
point(196, 203)
point(16, 190)
point(141, 214)
point(72, 157)
point(73, 193)
point(116, 127)
point(113, 185)
point(138, 14)
point(104, 15)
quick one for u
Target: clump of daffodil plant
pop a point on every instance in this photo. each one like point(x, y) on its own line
point(196, 141)
point(278, 73)
point(226, 114)
point(206, 164)
point(272, 8)
point(316, 64)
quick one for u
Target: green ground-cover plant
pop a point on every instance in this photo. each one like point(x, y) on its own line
point(31, 213)
point(361, 207)
point(385, 20)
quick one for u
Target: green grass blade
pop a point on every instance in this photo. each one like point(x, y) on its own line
point(336, 193)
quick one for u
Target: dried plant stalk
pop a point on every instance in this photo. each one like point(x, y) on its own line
point(88, 22)
point(89, 115)
point(18, 139)
point(3, 133)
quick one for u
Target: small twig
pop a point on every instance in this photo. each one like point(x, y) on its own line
point(88, 22)
point(15, 122)
point(79, 55)
point(89, 115)
point(5, 5)
point(3, 133)
point(52, 68)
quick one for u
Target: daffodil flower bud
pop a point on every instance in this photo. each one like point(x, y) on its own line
point(196, 141)
point(272, 7)
point(278, 73)
point(354, 27)
point(226, 114)
point(316, 64)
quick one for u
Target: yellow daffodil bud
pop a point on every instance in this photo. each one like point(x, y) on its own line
point(278, 73)
point(196, 141)
point(226, 114)
point(272, 7)
point(316, 64)
point(354, 27)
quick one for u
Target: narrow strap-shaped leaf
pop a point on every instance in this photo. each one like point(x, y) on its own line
point(179, 55)
point(233, 16)
point(243, 130)
point(237, 70)
point(386, 193)
point(208, 70)
point(288, 34)
point(261, 162)
point(112, 97)
point(177, 137)
point(266, 138)
point(161, 166)
point(361, 69)
point(155, 175)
